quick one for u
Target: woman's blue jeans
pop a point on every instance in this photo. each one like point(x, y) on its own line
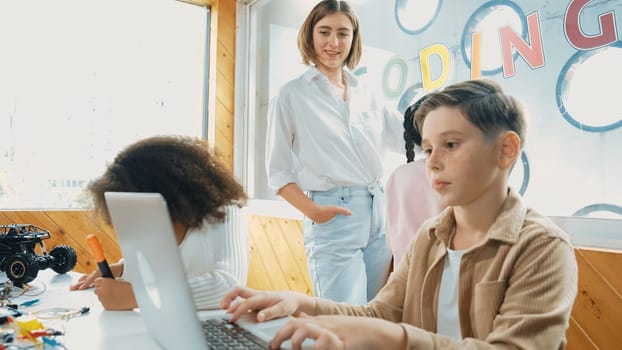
point(348, 256)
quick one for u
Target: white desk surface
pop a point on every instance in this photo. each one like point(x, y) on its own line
point(96, 330)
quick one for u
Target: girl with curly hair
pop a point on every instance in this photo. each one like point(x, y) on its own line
point(204, 202)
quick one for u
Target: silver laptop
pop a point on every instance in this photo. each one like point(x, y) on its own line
point(154, 267)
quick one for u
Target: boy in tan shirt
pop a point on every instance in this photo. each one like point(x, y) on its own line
point(516, 270)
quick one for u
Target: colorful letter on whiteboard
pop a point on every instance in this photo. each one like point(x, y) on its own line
point(426, 73)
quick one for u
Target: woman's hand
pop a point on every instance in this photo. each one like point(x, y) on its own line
point(269, 305)
point(324, 213)
point(115, 294)
point(319, 214)
point(341, 332)
point(86, 281)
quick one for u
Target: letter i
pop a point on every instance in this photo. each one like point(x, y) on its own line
point(476, 44)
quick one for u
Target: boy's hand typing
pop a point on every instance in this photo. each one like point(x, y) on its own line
point(341, 332)
point(269, 305)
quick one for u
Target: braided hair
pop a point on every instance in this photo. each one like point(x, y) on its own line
point(412, 136)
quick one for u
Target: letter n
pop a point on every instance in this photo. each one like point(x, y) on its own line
point(533, 54)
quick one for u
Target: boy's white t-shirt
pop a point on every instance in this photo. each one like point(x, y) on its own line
point(448, 322)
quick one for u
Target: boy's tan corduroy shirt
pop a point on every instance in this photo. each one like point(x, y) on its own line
point(516, 288)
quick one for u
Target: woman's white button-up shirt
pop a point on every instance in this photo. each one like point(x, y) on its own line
point(319, 141)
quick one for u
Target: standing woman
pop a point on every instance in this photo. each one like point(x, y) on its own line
point(326, 136)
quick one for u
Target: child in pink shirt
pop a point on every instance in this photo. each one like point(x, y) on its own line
point(410, 199)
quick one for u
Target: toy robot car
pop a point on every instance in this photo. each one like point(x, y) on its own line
point(19, 260)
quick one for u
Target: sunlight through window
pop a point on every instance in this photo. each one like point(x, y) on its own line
point(82, 79)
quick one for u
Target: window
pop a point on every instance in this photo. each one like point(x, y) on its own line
point(82, 79)
point(570, 164)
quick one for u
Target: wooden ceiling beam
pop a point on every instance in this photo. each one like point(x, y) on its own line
point(199, 2)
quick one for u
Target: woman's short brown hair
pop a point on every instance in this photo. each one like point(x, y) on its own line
point(321, 10)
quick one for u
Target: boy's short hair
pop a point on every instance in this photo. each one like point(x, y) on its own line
point(483, 103)
point(321, 10)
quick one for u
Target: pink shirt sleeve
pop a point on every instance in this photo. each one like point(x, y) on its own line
point(410, 200)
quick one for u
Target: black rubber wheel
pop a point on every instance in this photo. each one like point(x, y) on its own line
point(64, 258)
point(21, 268)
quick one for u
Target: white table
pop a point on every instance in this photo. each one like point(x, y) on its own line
point(96, 330)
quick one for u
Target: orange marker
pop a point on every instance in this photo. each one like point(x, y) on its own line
point(98, 254)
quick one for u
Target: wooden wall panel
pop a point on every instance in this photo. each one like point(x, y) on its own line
point(225, 91)
point(227, 25)
point(69, 227)
point(222, 76)
point(278, 259)
point(607, 264)
point(292, 235)
point(258, 276)
point(577, 338)
point(291, 261)
point(264, 255)
point(224, 133)
point(597, 310)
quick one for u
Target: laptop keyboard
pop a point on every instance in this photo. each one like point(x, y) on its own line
point(223, 334)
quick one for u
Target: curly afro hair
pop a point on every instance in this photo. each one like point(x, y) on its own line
point(194, 183)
